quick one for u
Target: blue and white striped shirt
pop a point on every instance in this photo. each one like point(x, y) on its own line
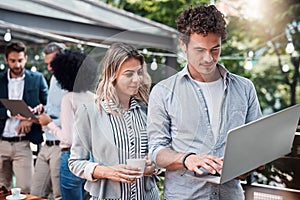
point(130, 136)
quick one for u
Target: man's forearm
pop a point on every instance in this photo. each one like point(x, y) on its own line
point(169, 159)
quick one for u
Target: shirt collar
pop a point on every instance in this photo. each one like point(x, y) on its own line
point(133, 105)
point(223, 71)
point(14, 79)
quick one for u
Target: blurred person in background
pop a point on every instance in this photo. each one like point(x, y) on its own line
point(19, 83)
point(77, 73)
point(46, 172)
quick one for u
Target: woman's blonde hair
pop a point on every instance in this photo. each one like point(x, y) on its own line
point(115, 56)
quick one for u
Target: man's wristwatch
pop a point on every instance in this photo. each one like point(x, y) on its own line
point(185, 157)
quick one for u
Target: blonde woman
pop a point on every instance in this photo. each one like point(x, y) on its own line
point(113, 129)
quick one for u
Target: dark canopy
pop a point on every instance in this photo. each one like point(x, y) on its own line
point(81, 21)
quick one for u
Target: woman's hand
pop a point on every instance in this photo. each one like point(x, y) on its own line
point(44, 119)
point(149, 167)
point(120, 173)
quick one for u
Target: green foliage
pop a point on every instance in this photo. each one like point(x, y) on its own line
point(266, 36)
point(271, 89)
point(36, 60)
point(160, 186)
point(163, 11)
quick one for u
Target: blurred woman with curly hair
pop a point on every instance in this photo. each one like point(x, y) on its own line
point(77, 73)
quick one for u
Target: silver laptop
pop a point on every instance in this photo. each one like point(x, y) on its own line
point(257, 143)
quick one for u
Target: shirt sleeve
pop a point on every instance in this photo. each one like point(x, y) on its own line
point(43, 90)
point(158, 122)
point(80, 162)
point(8, 113)
point(64, 132)
point(254, 110)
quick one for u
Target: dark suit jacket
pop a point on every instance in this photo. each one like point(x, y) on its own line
point(35, 92)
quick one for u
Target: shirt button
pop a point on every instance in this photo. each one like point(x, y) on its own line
point(214, 193)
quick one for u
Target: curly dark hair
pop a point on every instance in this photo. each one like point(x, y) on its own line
point(75, 71)
point(201, 20)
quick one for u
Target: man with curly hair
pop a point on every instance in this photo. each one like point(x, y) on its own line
point(190, 113)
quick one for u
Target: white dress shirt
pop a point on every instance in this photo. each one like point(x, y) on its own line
point(15, 91)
